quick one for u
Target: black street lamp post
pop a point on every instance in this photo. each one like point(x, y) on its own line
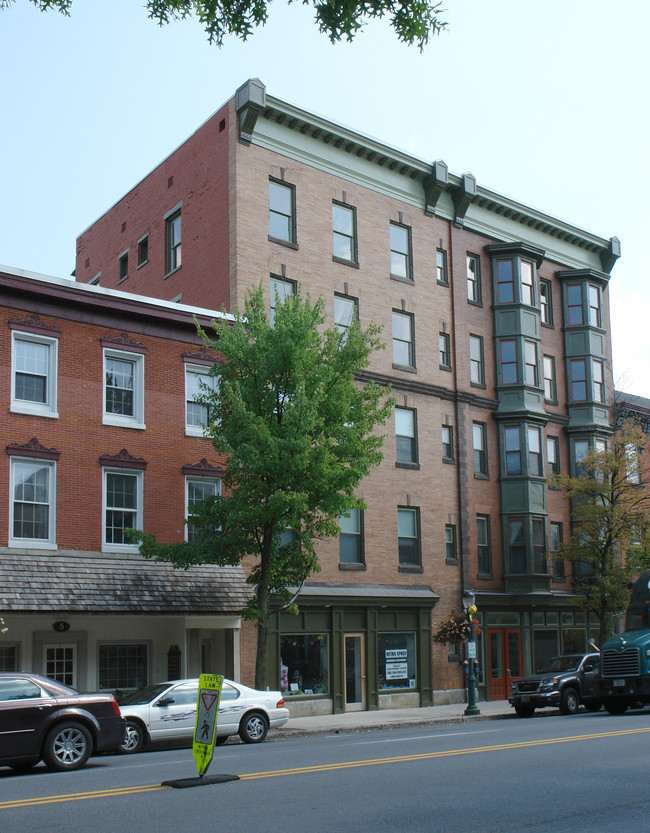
point(470, 647)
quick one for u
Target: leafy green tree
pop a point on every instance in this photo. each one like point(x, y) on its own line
point(610, 539)
point(300, 432)
point(414, 21)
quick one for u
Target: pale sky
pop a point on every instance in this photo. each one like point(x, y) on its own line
point(546, 103)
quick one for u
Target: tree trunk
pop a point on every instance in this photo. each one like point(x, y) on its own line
point(263, 604)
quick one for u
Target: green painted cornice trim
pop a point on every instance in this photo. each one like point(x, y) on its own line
point(398, 174)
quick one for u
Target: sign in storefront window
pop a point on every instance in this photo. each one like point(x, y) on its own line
point(304, 664)
point(396, 660)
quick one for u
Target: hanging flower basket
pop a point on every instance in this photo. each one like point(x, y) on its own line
point(457, 627)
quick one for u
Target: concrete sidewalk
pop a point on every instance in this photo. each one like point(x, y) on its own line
point(391, 718)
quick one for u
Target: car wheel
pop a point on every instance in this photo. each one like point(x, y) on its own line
point(570, 701)
point(253, 728)
point(524, 710)
point(67, 746)
point(616, 705)
point(593, 705)
point(133, 739)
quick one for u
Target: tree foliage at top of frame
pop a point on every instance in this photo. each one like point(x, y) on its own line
point(413, 21)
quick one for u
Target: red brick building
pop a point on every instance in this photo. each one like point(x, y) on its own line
point(496, 318)
point(100, 434)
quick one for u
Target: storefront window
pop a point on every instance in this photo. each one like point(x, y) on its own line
point(396, 660)
point(304, 664)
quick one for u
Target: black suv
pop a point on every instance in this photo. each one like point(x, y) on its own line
point(41, 719)
point(565, 682)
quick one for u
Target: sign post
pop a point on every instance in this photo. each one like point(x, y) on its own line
point(206, 720)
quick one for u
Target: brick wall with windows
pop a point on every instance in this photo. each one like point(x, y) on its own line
point(159, 336)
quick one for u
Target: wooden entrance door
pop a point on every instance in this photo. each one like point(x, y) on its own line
point(504, 661)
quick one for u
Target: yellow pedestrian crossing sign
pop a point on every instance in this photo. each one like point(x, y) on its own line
point(207, 710)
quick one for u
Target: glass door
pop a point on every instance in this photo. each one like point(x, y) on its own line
point(504, 647)
point(355, 672)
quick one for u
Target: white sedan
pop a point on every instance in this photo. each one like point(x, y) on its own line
point(167, 711)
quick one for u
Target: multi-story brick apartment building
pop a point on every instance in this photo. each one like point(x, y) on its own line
point(497, 322)
point(101, 432)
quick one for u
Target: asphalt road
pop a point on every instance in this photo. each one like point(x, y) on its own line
point(549, 774)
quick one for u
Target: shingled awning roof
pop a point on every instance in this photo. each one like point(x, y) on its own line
point(67, 584)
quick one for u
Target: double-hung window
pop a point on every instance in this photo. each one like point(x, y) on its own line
point(34, 374)
point(33, 502)
point(534, 451)
point(344, 233)
point(281, 289)
point(351, 537)
point(282, 211)
point(196, 490)
point(406, 435)
point(476, 368)
point(473, 279)
point(550, 389)
point(505, 282)
point(123, 666)
point(598, 380)
point(479, 441)
point(574, 304)
point(553, 455)
point(123, 388)
point(345, 314)
point(122, 508)
point(530, 363)
point(556, 543)
point(578, 380)
point(400, 252)
point(580, 451)
point(527, 289)
point(451, 551)
point(408, 533)
point(447, 443)
point(123, 267)
point(512, 441)
point(546, 309)
point(143, 250)
point(517, 545)
point(441, 267)
point(198, 384)
point(539, 546)
point(403, 341)
point(444, 350)
point(594, 306)
point(483, 544)
point(173, 240)
point(509, 374)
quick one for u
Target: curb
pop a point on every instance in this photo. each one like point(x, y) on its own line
point(287, 733)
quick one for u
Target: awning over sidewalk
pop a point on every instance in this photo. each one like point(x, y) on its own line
point(95, 583)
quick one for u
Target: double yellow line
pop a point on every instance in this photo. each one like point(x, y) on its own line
point(277, 773)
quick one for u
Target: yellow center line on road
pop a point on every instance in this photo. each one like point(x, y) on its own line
point(56, 799)
point(450, 753)
point(444, 754)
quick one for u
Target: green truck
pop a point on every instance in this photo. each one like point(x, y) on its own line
point(625, 658)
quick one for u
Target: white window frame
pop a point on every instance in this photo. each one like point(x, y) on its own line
point(41, 543)
point(125, 472)
point(136, 420)
point(193, 478)
point(211, 382)
point(25, 406)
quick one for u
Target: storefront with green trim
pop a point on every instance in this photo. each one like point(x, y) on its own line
point(353, 647)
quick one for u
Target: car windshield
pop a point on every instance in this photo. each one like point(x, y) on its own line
point(569, 663)
point(144, 695)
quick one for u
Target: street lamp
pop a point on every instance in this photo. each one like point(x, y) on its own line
point(470, 610)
